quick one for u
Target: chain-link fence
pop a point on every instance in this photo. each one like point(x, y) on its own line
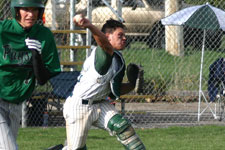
point(171, 57)
point(5, 9)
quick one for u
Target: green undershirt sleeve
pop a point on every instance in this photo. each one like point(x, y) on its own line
point(102, 61)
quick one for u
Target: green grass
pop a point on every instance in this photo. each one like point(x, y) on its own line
point(209, 137)
point(176, 73)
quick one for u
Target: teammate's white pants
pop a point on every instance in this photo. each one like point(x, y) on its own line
point(10, 116)
point(80, 117)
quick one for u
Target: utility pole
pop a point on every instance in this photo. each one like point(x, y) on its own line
point(173, 34)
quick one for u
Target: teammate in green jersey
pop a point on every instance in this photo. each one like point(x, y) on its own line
point(27, 54)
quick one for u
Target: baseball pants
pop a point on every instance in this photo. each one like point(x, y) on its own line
point(10, 116)
point(80, 117)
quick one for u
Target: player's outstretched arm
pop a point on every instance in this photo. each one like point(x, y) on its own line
point(99, 36)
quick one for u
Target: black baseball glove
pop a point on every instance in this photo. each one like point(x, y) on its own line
point(135, 75)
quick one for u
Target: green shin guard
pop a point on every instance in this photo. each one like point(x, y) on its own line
point(125, 133)
point(133, 143)
point(118, 124)
point(130, 140)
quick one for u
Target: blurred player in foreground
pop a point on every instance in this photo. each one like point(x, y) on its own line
point(27, 53)
point(101, 76)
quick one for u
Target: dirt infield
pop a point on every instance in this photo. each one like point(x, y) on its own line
point(147, 115)
point(165, 106)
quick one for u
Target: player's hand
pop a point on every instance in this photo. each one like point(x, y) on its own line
point(33, 45)
point(81, 21)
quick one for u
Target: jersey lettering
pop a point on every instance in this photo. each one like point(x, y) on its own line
point(15, 56)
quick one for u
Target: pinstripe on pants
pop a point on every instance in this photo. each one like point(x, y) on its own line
point(10, 116)
point(79, 119)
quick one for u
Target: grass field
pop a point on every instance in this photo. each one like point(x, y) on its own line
point(176, 72)
point(210, 137)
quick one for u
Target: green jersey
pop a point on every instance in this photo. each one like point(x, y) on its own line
point(17, 80)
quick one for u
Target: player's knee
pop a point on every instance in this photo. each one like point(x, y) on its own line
point(118, 124)
point(125, 133)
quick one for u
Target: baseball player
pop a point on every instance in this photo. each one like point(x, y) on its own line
point(101, 76)
point(27, 54)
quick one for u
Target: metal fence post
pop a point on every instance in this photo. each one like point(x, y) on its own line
point(24, 115)
point(53, 14)
point(123, 106)
point(89, 35)
point(72, 36)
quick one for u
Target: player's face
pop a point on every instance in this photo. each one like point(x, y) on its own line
point(118, 39)
point(28, 16)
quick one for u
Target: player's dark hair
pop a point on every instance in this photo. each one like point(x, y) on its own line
point(111, 25)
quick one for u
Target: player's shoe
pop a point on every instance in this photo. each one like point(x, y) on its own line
point(56, 147)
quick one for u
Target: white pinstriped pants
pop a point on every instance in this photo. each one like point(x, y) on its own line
point(79, 119)
point(10, 116)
